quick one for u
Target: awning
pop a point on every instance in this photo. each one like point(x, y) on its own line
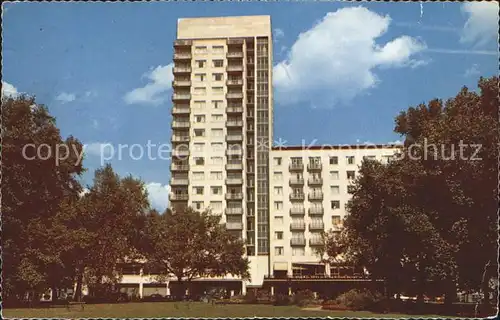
point(281, 266)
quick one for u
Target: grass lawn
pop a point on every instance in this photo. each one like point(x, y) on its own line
point(185, 309)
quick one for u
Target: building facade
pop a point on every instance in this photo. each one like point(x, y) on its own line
point(278, 200)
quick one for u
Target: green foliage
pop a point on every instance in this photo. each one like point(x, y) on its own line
point(303, 298)
point(283, 300)
point(358, 299)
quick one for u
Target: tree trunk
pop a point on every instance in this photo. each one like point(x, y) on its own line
point(54, 293)
point(79, 283)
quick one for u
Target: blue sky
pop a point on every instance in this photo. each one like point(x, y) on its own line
point(103, 69)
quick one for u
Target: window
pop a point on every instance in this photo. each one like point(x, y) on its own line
point(371, 158)
point(296, 160)
point(334, 189)
point(216, 146)
point(198, 190)
point(277, 161)
point(198, 91)
point(216, 190)
point(200, 49)
point(200, 77)
point(218, 63)
point(217, 49)
point(217, 90)
point(278, 221)
point(199, 146)
point(199, 161)
point(198, 205)
point(216, 104)
point(198, 176)
point(200, 63)
point(278, 251)
point(278, 235)
point(199, 118)
point(334, 160)
point(335, 204)
point(350, 159)
point(217, 77)
point(298, 251)
point(199, 132)
point(217, 118)
point(200, 104)
point(216, 161)
point(217, 132)
point(278, 205)
point(351, 175)
point(350, 189)
point(334, 175)
point(216, 175)
point(278, 191)
point(216, 206)
point(336, 220)
point(278, 176)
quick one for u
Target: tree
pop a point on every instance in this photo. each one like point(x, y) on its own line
point(101, 228)
point(33, 187)
point(188, 245)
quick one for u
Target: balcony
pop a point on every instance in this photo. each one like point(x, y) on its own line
point(316, 242)
point(234, 225)
point(234, 181)
point(180, 153)
point(179, 181)
point(234, 109)
point(297, 196)
point(234, 196)
point(314, 166)
point(296, 167)
point(234, 151)
point(234, 211)
point(181, 96)
point(316, 211)
point(316, 196)
point(297, 211)
point(298, 242)
point(182, 55)
point(234, 123)
point(315, 181)
point(180, 138)
point(179, 167)
point(179, 197)
point(234, 41)
point(234, 138)
point(179, 70)
point(181, 110)
point(181, 83)
point(234, 68)
point(234, 95)
point(234, 54)
point(296, 181)
point(298, 226)
point(180, 124)
point(234, 82)
point(234, 166)
point(181, 43)
point(316, 226)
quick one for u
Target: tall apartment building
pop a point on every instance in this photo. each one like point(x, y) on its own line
point(222, 125)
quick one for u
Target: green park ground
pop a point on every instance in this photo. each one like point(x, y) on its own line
point(191, 309)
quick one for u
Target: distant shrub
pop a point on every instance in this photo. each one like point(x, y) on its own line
point(358, 299)
point(303, 298)
point(282, 300)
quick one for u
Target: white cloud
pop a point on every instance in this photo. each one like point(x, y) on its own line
point(158, 195)
point(334, 61)
point(481, 26)
point(101, 149)
point(9, 90)
point(278, 33)
point(160, 81)
point(65, 97)
point(84, 192)
point(95, 124)
point(395, 142)
point(472, 71)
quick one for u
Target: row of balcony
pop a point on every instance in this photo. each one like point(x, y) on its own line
point(302, 242)
point(311, 181)
point(300, 167)
point(302, 226)
point(315, 211)
point(311, 196)
point(187, 110)
point(185, 83)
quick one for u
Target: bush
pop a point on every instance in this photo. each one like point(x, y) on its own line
point(250, 297)
point(358, 299)
point(282, 300)
point(304, 298)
